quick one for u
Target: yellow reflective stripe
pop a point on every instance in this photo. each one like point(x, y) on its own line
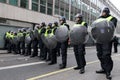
point(102, 19)
point(83, 23)
point(109, 18)
point(77, 25)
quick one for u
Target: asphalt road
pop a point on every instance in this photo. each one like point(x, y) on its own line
point(17, 67)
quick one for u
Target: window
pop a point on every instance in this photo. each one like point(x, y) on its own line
point(4, 1)
point(67, 14)
point(13, 2)
point(42, 9)
point(24, 3)
point(49, 9)
point(62, 11)
point(35, 5)
point(43, 6)
point(43, 2)
point(56, 10)
point(57, 7)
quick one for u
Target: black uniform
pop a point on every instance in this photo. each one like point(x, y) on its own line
point(64, 47)
point(104, 52)
point(79, 51)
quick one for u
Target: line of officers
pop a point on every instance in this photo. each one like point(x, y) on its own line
point(16, 41)
point(103, 50)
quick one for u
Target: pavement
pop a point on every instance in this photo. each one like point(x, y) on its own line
point(17, 67)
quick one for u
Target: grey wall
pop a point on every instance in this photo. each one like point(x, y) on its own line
point(3, 29)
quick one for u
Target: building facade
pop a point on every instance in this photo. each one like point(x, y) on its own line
point(26, 13)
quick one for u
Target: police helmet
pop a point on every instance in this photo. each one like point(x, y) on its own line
point(43, 24)
point(56, 23)
point(50, 24)
point(78, 15)
point(62, 18)
point(106, 10)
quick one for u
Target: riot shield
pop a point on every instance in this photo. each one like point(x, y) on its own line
point(78, 35)
point(15, 40)
point(49, 41)
point(61, 33)
point(27, 39)
point(103, 31)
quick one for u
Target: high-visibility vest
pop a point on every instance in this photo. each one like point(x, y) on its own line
point(39, 30)
point(7, 35)
point(20, 34)
point(102, 19)
point(11, 36)
point(46, 33)
point(52, 32)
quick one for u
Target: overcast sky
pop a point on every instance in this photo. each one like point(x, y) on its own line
point(116, 3)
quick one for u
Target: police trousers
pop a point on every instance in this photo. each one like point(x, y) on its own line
point(64, 46)
point(79, 51)
point(104, 55)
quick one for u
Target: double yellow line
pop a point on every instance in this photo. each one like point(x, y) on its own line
point(59, 71)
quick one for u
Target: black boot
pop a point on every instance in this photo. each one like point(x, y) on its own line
point(52, 63)
point(62, 66)
point(100, 71)
point(82, 70)
point(108, 76)
point(77, 68)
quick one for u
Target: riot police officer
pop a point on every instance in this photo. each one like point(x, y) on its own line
point(41, 44)
point(104, 50)
point(64, 45)
point(15, 42)
point(79, 50)
point(11, 41)
point(28, 44)
point(19, 34)
point(55, 25)
point(35, 44)
point(7, 41)
point(47, 52)
point(53, 52)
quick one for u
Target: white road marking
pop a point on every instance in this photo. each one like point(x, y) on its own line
point(21, 65)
